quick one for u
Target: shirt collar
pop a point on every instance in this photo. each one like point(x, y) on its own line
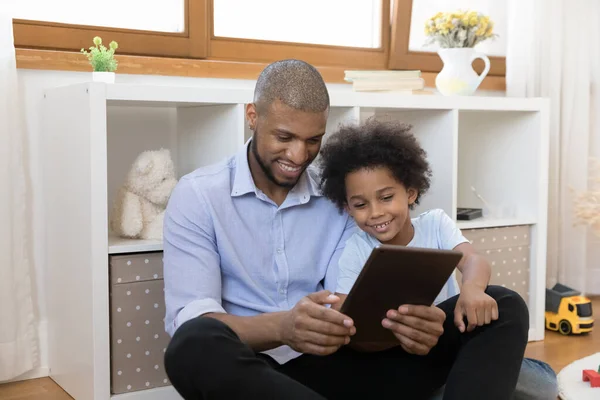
point(243, 183)
point(242, 180)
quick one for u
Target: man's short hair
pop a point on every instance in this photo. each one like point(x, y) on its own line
point(295, 83)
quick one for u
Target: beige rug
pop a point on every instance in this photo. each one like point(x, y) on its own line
point(570, 384)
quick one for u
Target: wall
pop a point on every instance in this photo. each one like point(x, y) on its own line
point(33, 83)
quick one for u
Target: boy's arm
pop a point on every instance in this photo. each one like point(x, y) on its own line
point(473, 303)
point(332, 275)
point(474, 268)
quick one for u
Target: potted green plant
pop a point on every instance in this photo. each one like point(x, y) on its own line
point(102, 60)
point(457, 33)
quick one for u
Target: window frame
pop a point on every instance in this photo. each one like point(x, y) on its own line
point(403, 58)
point(197, 53)
point(252, 50)
point(191, 43)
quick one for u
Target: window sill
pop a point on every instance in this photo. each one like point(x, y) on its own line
point(73, 61)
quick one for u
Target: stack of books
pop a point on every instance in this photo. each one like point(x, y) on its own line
point(406, 82)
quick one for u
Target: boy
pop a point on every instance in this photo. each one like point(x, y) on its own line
point(378, 172)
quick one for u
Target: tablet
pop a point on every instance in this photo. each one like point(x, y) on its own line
point(393, 276)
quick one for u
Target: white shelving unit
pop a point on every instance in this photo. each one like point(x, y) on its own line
point(94, 131)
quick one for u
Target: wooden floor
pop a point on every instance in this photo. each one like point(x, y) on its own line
point(34, 389)
point(556, 350)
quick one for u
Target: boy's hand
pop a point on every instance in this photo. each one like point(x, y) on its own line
point(311, 327)
point(479, 308)
point(418, 328)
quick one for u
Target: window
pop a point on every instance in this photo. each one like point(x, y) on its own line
point(157, 15)
point(407, 44)
point(345, 33)
point(175, 28)
point(336, 23)
point(571, 308)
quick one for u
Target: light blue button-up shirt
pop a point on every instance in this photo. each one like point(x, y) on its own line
point(229, 248)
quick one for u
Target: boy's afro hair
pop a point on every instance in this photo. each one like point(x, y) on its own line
point(372, 144)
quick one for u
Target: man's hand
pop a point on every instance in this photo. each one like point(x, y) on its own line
point(479, 308)
point(311, 327)
point(418, 328)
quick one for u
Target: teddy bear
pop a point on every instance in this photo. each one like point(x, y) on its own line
point(139, 208)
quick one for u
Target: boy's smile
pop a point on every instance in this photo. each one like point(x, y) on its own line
point(380, 204)
point(383, 227)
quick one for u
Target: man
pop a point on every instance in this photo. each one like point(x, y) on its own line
point(251, 251)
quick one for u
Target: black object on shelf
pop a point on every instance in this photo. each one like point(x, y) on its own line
point(467, 214)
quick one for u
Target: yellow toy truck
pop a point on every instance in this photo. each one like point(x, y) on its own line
point(567, 311)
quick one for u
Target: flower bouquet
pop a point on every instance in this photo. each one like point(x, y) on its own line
point(459, 29)
point(457, 33)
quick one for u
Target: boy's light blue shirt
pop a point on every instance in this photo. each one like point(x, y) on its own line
point(434, 229)
point(229, 248)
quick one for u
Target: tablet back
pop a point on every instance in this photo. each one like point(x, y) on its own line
point(391, 277)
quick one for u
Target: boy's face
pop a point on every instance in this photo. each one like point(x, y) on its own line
point(380, 204)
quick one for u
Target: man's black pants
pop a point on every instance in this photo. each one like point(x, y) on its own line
point(206, 360)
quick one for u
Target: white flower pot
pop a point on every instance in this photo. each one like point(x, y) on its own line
point(106, 77)
point(458, 76)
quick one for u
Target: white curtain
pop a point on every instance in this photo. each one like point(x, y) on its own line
point(18, 341)
point(554, 51)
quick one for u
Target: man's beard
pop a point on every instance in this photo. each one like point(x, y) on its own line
point(265, 168)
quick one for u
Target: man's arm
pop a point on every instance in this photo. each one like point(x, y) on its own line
point(260, 332)
point(192, 272)
point(310, 327)
point(192, 276)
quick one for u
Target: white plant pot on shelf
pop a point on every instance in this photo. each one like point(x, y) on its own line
point(458, 77)
point(105, 77)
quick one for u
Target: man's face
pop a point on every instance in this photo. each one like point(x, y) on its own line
point(285, 141)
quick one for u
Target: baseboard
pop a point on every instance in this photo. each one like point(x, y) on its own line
point(536, 335)
point(41, 372)
point(43, 343)
point(162, 393)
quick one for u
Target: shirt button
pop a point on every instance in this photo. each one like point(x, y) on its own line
point(279, 250)
point(282, 291)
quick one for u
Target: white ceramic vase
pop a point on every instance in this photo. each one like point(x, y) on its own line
point(458, 78)
point(106, 77)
